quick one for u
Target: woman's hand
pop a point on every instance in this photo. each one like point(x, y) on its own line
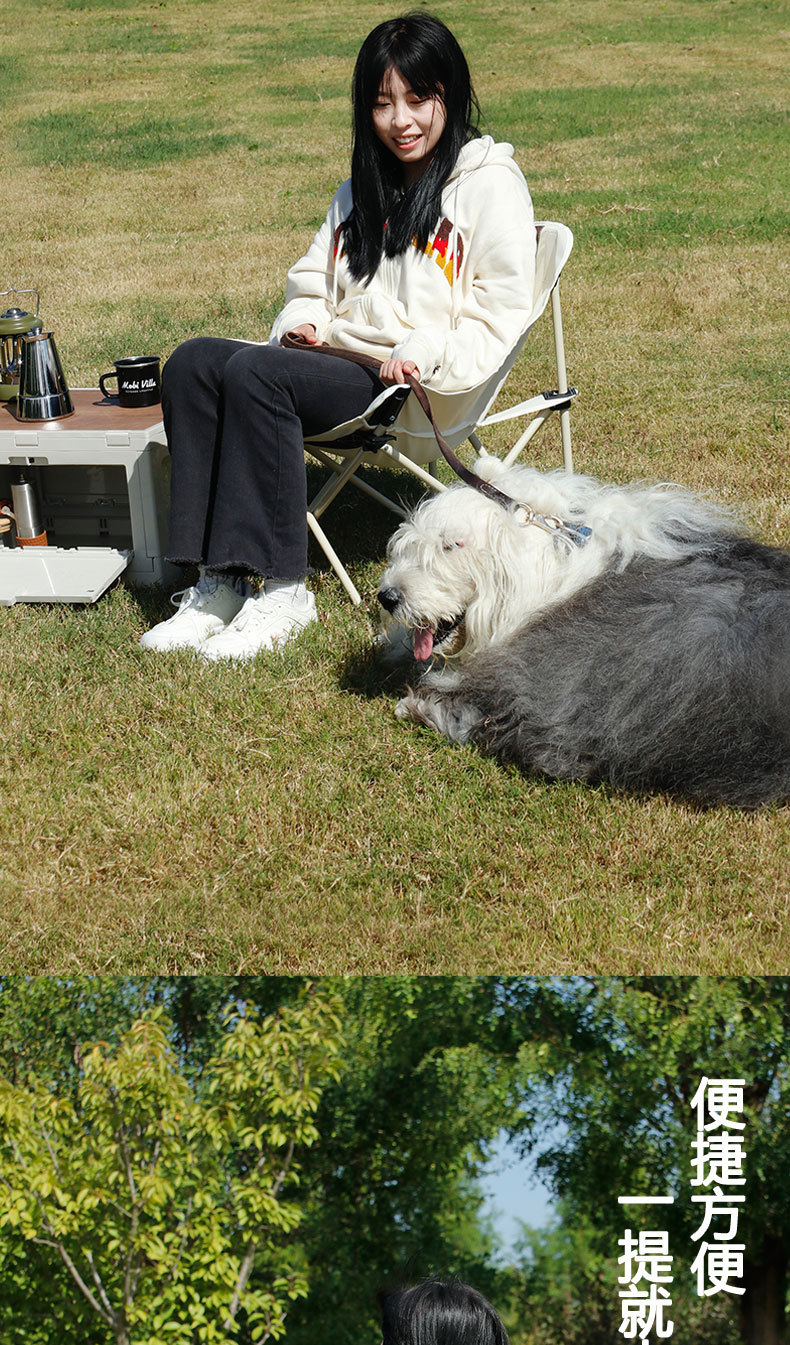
point(393, 371)
point(308, 331)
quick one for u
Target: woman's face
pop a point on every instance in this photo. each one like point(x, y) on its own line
point(407, 124)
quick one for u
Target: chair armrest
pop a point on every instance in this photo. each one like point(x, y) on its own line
point(544, 401)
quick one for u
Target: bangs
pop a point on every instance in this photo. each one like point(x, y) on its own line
point(421, 79)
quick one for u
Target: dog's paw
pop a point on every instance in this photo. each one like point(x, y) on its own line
point(403, 710)
point(457, 720)
point(426, 710)
point(419, 709)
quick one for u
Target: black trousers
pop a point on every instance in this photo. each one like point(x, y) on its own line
point(235, 417)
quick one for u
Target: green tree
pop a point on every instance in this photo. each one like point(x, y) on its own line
point(562, 1286)
point(167, 1204)
point(594, 1079)
point(386, 1192)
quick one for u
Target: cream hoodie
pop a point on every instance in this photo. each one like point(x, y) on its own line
point(458, 310)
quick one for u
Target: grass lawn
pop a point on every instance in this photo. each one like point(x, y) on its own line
point(164, 163)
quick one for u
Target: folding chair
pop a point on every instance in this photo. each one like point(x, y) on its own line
point(372, 439)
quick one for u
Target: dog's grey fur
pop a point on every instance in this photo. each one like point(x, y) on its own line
point(672, 675)
point(669, 674)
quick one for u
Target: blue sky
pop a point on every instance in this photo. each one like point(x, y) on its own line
point(514, 1193)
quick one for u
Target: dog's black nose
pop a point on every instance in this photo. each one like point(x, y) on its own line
point(389, 598)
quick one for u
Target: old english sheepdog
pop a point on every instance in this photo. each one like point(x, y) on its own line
point(629, 634)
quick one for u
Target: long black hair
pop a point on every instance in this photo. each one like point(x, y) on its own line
point(440, 1312)
point(429, 58)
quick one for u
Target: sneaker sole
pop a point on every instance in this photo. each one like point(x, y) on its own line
point(214, 655)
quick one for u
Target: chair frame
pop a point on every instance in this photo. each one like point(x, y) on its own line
point(374, 446)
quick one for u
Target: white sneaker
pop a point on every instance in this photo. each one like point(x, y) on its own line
point(203, 611)
point(263, 623)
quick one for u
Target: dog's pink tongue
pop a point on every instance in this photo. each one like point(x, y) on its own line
point(423, 643)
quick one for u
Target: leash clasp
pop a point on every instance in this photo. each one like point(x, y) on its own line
point(578, 534)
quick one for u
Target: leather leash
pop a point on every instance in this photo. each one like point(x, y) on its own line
point(578, 534)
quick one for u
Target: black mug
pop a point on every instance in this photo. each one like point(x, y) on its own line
point(139, 380)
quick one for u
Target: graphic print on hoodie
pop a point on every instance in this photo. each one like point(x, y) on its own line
point(436, 248)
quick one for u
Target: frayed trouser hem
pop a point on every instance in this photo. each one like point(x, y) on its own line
point(239, 570)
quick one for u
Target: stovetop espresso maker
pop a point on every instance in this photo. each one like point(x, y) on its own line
point(30, 368)
point(15, 324)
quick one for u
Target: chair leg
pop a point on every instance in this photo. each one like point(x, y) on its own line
point(333, 558)
point(334, 484)
point(343, 473)
point(565, 430)
point(562, 377)
point(416, 470)
point(529, 433)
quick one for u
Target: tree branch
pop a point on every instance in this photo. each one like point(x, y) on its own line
point(283, 1173)
point(51, 1153)
point(97, 1281)
point(184, 1235)
point(107, 1315)
point(134, 1217)
point(245, 1269)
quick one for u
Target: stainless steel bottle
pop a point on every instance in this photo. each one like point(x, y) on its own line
point(27, 513)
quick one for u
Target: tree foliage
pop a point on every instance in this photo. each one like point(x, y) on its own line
point(392, 1190)
point(159, 1197)
point(563, 1291)
point(295, 1149)
point(387, 1189)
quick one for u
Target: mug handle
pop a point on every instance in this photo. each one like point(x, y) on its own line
point(102, 382)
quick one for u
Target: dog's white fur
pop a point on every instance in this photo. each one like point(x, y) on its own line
point(463, 554)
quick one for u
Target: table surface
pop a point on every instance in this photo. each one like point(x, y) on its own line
point(92, 411)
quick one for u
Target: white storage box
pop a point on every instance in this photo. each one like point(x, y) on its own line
point(103, 481)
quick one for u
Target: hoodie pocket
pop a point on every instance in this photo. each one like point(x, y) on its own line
point(374, 318)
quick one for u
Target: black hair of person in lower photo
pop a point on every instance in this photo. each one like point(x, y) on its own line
point(440, 1312)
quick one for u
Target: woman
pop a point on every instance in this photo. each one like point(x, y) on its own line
point(425, 261)
point(440, 1312)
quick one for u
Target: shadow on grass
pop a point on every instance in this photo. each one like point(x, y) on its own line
point(366, 674)
point(356, 525)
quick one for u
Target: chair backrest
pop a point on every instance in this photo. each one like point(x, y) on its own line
point(554, 245)
point(555, 242)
